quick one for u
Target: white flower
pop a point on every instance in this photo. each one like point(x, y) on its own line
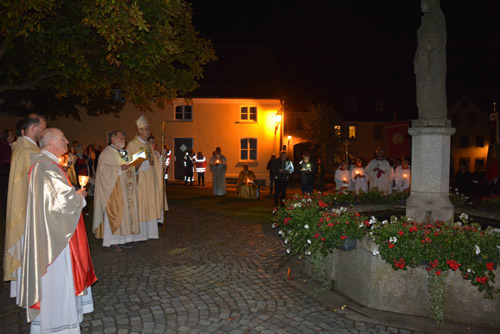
point(286, 241)
point(384, 222)
point(468, 270)
point(463, 216)
point(308, 241)
point(373, 220)
point(371, 233)
point(375, 252)
point(393, 239)
point(478, 250)
point(274, 225)
point(306, 226)
point(498, 248)
point(288, 251)
point(308, 253)
point(280, 232)
point(361, 225)
point(297, 205)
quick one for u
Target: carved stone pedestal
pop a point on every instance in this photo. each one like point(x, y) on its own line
point(430, 174)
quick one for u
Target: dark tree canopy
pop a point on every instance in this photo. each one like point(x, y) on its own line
point(75, 53)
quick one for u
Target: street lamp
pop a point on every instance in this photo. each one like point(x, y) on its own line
point(277, 121)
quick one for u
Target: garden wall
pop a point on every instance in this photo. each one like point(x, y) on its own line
point(371, 282)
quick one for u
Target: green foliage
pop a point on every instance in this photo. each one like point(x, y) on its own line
point(309, 227)
point(83, 50)
point(370, 197)
point(459, 200)
point(490, 203)
point(436, 286)
point(441, 246)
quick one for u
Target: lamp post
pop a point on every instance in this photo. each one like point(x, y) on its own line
point(277, 122)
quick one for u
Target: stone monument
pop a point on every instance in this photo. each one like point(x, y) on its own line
point(431, 132)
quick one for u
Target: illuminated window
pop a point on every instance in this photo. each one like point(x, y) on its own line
point(183, 113)
point(248, 114)
point(248, 149)
point(338, 131)
point(352, 131)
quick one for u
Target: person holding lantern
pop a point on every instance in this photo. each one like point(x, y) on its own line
point(308, 172)
point(218, 167)
point(343, 177)
point(402, 176)
point(358, 177)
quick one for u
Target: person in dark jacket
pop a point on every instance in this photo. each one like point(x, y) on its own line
point(282, 169)
point(463, 180)
point(308, 172)
point(271, 175)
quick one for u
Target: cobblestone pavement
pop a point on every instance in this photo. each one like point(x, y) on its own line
point(206, 274)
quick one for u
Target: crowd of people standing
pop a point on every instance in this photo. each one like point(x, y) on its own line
point(47, 257)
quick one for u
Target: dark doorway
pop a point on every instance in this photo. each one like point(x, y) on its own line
point(181, 146)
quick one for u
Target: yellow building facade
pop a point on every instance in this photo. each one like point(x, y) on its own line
point(246, 130)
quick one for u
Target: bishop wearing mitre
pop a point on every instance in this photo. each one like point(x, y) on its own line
point(150, 211)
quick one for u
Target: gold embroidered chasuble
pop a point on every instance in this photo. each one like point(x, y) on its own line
point(16, 205)
point(115, 193)
point(148, 181)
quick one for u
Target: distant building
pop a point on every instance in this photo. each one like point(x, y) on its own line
point(469, 144)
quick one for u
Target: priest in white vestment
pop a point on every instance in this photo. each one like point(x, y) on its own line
point(218, 167)
point(57, 270)
point(147, 182)
point(379, 173)
point(115, 196)
point(17, 194)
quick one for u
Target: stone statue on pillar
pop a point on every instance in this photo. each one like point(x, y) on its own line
point(430, 65)
point(431, 132)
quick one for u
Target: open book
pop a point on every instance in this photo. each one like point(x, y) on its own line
point(138, 158)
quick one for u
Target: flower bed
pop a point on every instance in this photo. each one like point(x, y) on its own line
point(310, 228)
point(490, 203)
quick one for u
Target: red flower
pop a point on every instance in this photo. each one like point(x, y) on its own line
point(413, 229)
point(400, 263)
point(286, 220)
point(453, 264)
point(331, 224)
point(322, 204)
point(434, 264)
point(357, 214)
point(342, 237)
point(347, 222)
point(482, 280)
point(391, 245)
point(490, 266)
point(322, 239)
point(438, 272)
point(400, 233)
point(316, 236)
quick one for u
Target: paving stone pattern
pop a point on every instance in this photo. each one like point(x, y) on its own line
point(206, 274)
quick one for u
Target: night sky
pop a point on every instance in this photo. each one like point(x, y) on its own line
point(361, 48)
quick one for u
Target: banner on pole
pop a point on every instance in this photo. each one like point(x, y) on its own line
point(398, 139)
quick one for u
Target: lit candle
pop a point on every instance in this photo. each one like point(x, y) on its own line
point(405, 176)
point(357, 172)
point(83, 179)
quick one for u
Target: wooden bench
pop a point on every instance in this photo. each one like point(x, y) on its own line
point(234, 181)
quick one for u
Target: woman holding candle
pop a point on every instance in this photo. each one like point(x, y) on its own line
point(246, 184)
point(358, 177)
